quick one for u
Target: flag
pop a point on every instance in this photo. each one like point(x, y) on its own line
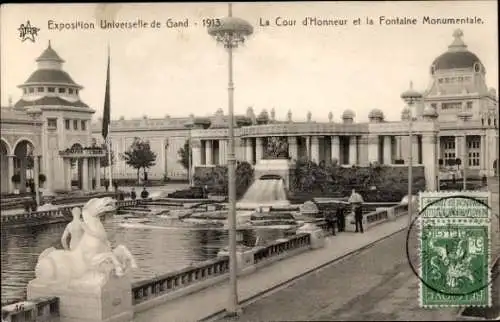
point(106, 112)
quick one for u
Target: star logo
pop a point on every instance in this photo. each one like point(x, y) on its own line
point(26, 31)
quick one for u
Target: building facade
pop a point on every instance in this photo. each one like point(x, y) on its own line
point(457, 118)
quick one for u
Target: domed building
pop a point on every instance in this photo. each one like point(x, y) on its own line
point(51, 121)
point(47, 133)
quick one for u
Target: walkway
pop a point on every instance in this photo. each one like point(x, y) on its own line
point(375, 285)
point(209, 301)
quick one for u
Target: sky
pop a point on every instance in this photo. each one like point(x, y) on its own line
point(179, 71)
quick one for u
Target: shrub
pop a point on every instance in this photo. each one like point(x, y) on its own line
point(391, 183)
point(215, 179)
point(42, 178)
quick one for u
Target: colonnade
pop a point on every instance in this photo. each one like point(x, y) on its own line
point(348, 149)
point(89, 170)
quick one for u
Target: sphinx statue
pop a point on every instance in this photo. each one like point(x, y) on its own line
point(90, 260)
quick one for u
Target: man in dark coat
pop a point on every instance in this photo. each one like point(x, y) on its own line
point(340, 214)
point(331, 221)
point(358, 217)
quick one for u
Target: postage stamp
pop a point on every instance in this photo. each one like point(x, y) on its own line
point(455, 250)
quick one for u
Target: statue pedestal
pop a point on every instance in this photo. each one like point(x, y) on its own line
point(111, 302)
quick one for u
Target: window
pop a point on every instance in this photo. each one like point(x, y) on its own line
point(25, 91)
point(449, 106)
point(76, 91)
point(51, 89)
point(31, 90)
point(62, 90)
point(469, 105)
point(68, 124)
point(40, 89)
point(75, 124)
point(70, 91)
point(448, 148)
point(52, 123)
point(473, 149)
point(84, 125)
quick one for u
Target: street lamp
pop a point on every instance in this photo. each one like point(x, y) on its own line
point(464, 116)
point(189, 125)
point(230, 32)
point(410, 97)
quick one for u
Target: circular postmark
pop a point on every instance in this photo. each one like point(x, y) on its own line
point(453, 245)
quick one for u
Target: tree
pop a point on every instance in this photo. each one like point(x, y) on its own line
point(184, 155)
point(139, 155)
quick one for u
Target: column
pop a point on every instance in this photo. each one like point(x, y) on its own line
point(482, 155)
point(11, 173)
point(223, 152)
point(91, 173)
point(208, 152)
point(36, 173)
point(293, 148)
point(196, 148)
point(373, 141)
point(429, 159)
point(85, 175)
point(464, 156)
point(416, 148)
point(249, 151)
point(387, 149)
point(314, 149)
point(22, 174)
point(97, 174)
point(336, 148)
point(308, 147)
point(458, 147)
point(353, 150)
point(258, 149)
point(67, 173)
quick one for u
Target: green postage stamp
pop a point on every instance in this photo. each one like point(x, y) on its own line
point(455, 254)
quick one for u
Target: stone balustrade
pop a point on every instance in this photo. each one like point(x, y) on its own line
point(43, 309)
point(280, 247)
point(151, 292)
point(61, 214)
point(171, 282)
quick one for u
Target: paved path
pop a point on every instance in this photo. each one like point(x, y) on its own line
point(209, 301)
point(376, 284)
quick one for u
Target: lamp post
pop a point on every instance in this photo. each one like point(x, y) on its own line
point(230, 32)
point(189, 125)
point(464, 116)
point(410, 97)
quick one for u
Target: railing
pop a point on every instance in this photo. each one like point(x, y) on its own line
point(278, 248)
point(377, 216)
point(147, 289)
point(400, 210)
point(61, 212)
point(43, 309)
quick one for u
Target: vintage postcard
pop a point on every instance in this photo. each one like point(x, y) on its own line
point(258, 161)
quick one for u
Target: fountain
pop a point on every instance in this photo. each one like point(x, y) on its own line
point(272, 176)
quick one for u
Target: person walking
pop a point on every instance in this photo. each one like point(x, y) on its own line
point(358, 217)
point(331, 221)
point(133, 195)
point(340, 214)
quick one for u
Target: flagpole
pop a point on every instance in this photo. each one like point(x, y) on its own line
point(109, 160)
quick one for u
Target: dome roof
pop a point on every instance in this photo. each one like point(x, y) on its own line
point(50, 100)
point(50, 76)
point(457, 55)
point(430, 111)
point(376, 113)
point(348, 114)
point(49, 54)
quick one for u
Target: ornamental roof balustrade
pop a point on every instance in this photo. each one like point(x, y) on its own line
point(289, 129)
point(401, 128)
point(83, 152)
point(11, 115)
